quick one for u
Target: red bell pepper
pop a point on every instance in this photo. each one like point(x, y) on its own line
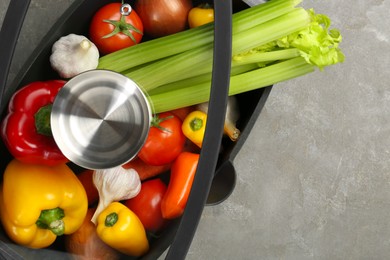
point(26, 128)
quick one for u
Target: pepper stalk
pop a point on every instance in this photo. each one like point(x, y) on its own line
point(52, 219)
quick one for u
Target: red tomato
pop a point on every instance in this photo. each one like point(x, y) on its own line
point(165, 140)
point(86, 178)
point(108, 18)
point(147, 204)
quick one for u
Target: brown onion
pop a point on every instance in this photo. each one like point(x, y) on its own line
point(163, 17)
point(85, 244)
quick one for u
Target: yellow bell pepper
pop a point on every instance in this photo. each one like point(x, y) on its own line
point(200, 15)
point(194, 126)
point(39, 203)
point(120, 228)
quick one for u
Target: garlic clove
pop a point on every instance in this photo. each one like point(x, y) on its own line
point(115, 184)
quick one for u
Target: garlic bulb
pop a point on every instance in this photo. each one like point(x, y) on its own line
point(73, 54)
point(115, 184)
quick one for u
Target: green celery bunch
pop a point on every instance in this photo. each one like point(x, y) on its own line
point(272, 42)
point(291, 56)
point(318, 44)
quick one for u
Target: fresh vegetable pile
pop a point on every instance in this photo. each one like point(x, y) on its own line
point(168, 52)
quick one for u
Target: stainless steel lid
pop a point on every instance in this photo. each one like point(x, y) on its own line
point(100, 119)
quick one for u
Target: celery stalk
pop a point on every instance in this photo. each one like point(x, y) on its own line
point(191, 39)
point(206, 77)
point(194, 62)
point(260, 57)
point(270, 75)
point(249, 17)
point(274, 29)
point(176, 67)
point(244, 82)
point(283, 40)
point(156, 49)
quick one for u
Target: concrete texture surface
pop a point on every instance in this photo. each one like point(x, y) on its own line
point(313, 176)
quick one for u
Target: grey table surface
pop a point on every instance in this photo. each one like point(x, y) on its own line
point(314, 174)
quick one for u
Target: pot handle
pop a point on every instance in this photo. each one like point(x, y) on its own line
point(9, 35)
point(214, 130)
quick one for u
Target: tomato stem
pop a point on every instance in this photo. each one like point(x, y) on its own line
point(156, 121)
point(205, 6)
point(122, 26)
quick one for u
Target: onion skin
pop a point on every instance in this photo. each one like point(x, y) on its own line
point(163, 17)
point(85, 244)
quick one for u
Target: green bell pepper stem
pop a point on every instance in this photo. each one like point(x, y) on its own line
point(52, 219)
point(42, 120)
point(111, 219)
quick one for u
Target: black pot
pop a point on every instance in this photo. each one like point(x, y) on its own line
point(218, 178)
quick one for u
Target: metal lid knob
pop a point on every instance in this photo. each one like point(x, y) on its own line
point(100, 119)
